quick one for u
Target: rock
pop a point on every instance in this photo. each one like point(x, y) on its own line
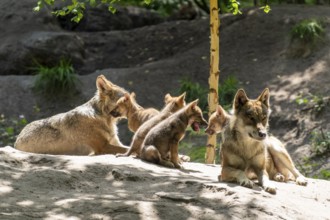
point(49, 47)
point(84, 188)
point(101, 19)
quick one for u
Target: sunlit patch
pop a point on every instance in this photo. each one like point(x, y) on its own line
point(100, 216)
point(152, 211)
point(17, 176)
point(117, 184)
point(54, 215)
point(5, 189)
point(66, 203)
point(25, 203)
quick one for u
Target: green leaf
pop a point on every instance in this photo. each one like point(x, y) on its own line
point(112, 9)
point(78, 17)
point(37, 8)
point(92, 3)
point(266, 8)
point(10, 130)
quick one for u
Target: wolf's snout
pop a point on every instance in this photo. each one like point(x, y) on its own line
point(114, 114)
point(262, 134)
point(209, 131)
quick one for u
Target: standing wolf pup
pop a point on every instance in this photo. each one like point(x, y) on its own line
point(136, 115)
point(87, 129)
point(279, 164)
point(172, 104)
point(243, 149)
point(163, 139)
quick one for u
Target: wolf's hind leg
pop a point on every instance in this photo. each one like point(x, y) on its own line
point(150, 153)
point(230, 174)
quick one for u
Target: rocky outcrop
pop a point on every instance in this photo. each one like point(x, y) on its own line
point(106, 187)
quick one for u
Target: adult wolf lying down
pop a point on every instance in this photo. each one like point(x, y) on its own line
point(86, 130)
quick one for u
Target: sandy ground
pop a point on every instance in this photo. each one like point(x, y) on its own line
point(36, 186)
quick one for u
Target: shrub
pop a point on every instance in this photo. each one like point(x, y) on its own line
point(55, 80)
point(309, 31)
point(194, 91)
point(226, 91)
point(320, 142)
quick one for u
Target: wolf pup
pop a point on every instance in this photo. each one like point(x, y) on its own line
point(172, 104)
point(88, 129)
point(243, 149)
point(163, 139)
point(279, 165)
point(136, 115)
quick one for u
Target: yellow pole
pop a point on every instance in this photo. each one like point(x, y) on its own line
point(214, 76)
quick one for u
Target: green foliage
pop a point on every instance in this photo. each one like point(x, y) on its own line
point(77, 7)
point(233, 6)
point(266, 8)
point(313, 102)
point(320, 151)
point(227, 91)
point(194, 90)
point(196, 154)
point(9, 129)
point(55, 80)
point(309, 31)
point(320, 142)
point(163, 7)
point(325, 174)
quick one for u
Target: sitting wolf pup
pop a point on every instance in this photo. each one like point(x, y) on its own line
point(136, 115)
point(87, 129)
point(172, 104)
point(163, 139)
point(279, 164)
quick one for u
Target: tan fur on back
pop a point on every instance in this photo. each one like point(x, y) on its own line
point(87, 129)
point(136, 115)
point(173, 104)
point(163, 139)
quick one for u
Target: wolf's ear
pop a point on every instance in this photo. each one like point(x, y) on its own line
point(183, 95)
point(133, 95)
point(264, 97)
point(193, 104)
point(103, 84)
point(126, 97)
point(240, 99)
point(168, 98)
point(181, 98)
point(220, 111)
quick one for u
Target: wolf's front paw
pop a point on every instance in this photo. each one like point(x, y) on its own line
point(184, 158)
point(279, 177)
point(177, 165)
point(246, 182)
point(301, 180)
point(168, 164)
point(270, 188)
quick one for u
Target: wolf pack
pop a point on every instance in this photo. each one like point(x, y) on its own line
point(249, 155)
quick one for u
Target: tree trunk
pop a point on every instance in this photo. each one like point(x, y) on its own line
point(214, 75)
